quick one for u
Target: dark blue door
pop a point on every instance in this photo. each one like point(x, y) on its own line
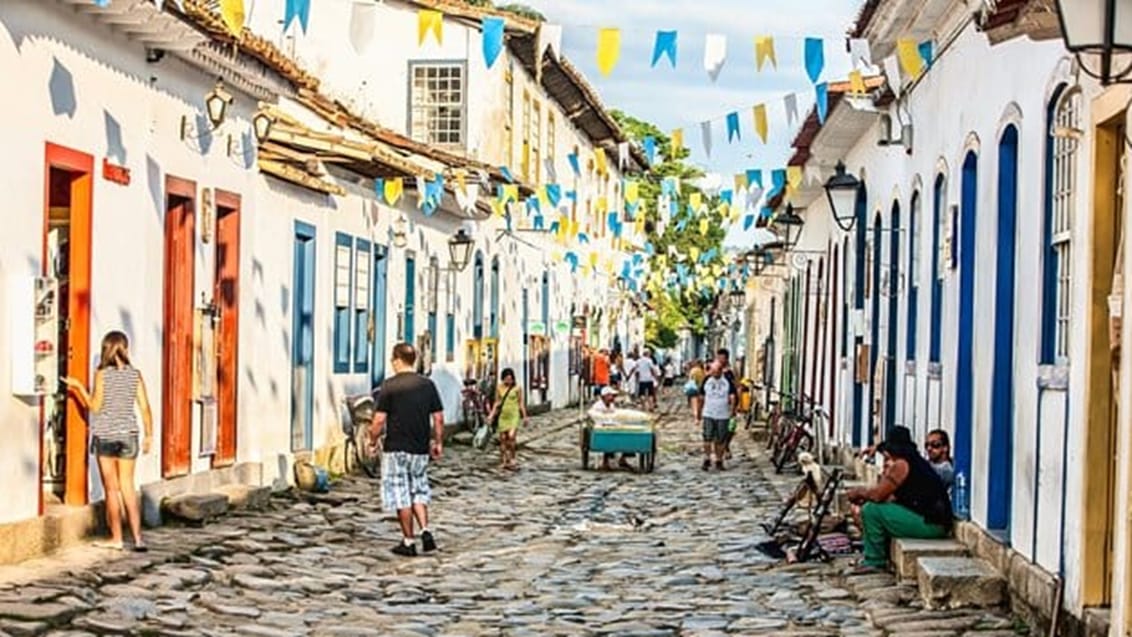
point(890, 379)
point(965, 367)
point(1001, 474)
point(874, 335)
point(859, 306)
point(528, 365)
point(302, 338)
point(380, 319)
point(410, 299)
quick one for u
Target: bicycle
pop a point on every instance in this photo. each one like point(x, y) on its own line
point(360, 452)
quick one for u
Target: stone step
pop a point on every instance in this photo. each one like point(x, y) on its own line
point(906, 551)
point(196, 508)
point(960, 582)
point(245, 496)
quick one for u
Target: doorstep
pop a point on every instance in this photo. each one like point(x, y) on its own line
point(60, 527)
point(205, 482)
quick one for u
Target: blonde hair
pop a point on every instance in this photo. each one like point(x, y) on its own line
point(115, 350)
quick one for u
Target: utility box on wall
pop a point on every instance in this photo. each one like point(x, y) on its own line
point(33, 323)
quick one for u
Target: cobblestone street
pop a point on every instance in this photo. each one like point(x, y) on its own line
point(550, 550)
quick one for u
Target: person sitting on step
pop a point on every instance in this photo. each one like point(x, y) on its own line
point(909, 501)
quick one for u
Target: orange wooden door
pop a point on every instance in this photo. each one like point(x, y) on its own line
point(79, 168)
point(177, 377)
point(227, 297)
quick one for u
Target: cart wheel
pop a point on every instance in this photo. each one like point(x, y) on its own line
point(652, 457)
point(643, 462)
point(585, 445)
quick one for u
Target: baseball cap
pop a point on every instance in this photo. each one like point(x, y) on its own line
point(608, 391)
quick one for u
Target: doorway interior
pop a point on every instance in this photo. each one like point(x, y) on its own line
point(68, 183)
point(226, 296)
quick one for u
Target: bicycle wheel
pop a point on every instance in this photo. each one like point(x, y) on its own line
point(349, 457)
point(369, 460)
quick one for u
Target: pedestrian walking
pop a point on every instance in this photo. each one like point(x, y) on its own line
point(508, 412)
point(694, 387)
point(718, 409)
point(409, 417)
point(723, 357)
point(118, 389)
point(646, 372)
point(601, 371)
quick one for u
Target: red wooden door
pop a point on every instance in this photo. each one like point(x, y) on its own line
point(79, 169)
point(177, 377)
point(227, 297)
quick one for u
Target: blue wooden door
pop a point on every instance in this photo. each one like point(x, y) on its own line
point(302, 338)
point(965, 366)
point(1001, 469)
point(380, 317)
point(410, 299)
point(890, 379)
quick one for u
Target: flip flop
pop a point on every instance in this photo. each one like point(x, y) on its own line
point(140, 547)
point(107, 544)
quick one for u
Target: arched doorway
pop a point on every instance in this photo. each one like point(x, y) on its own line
point(965, 364)
point(874, 408)
point(893, 294)
point(1001, 469)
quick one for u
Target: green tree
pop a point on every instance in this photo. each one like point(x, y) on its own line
point(676, 306)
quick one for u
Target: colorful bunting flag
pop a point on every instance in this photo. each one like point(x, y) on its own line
point(632, 191)
point(665, 47)
point(300, 9)
point(601, 165)
point(764, 51)
point(695, 201)
point(549, 37)
point(892, 74)
point(650, 149)
point(392, 190)
point(926, 52)
point(574, 163)
point(733, 127)
point(911, 62)
point(822, 96)
point(705, 133)
point(608, 50)
point(493, 28)
point(860, 54)
point(761, 126)
point(755, 177)
point(715, 54)
point(856, 83)
point(794, 176)
point(790, 102)
point(622, 155)
point(677, 138)
point(429, 21)
point(815, 58)
point(233, 15)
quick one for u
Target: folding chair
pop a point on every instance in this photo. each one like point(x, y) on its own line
point(805, 486)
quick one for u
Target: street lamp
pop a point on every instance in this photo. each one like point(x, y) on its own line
point(262, 123)
point(789, 226)
point(400, 232)
point(460, 250)
point(216, 104)
point(1101, 28)
point(738, 295)
point(841, 190)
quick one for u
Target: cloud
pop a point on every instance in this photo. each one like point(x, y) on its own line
point(683, 97)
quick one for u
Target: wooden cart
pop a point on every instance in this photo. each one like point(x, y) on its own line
point(637, 437)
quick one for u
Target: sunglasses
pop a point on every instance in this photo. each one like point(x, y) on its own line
point(935, 445)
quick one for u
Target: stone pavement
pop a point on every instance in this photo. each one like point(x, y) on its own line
point(549, 550)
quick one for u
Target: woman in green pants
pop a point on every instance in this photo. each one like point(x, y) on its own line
point(909, 501)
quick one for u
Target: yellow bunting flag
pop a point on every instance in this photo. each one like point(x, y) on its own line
point(632, 191)
point(608, 49)
point(233, 14)
point(429, 21)
point(857, 83)
point(910, 60)
point(741, 181)
point(601, 207)
point(601, 164)
point(705, 225)
point(794, 176)
point(498, 207)
point(393, 190)
point(694, 253)
point(461, 182)
point(593, 259)
point(677, 141)
point(760, 121)
point(510, 193)
point(695, 200)
point(609, 266)
point(764, 50)
point(543, 199)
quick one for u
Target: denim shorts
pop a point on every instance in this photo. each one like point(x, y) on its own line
point(125, 449)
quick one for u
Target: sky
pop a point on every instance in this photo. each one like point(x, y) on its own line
point(685, 96)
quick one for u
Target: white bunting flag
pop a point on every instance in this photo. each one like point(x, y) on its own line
point(363, 21)
point(551, 172)
point(623, 155)
point(422, 191)
point(860, 55)
point(485, 181)
point(791, 103)
point(892, 74)
point(467, 199)
point(705, 132)
point(754, 193)
point(813, 175)
point(549, 37)
point(715, 54)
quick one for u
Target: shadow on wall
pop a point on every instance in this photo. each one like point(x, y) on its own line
point(61, 85)
point(115, 147)
point(156, 185)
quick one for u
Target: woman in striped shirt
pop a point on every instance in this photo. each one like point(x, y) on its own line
point(118, 387)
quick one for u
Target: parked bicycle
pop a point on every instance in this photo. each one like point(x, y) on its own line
point(360, 451)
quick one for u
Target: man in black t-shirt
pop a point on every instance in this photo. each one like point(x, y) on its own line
point(411, 417)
